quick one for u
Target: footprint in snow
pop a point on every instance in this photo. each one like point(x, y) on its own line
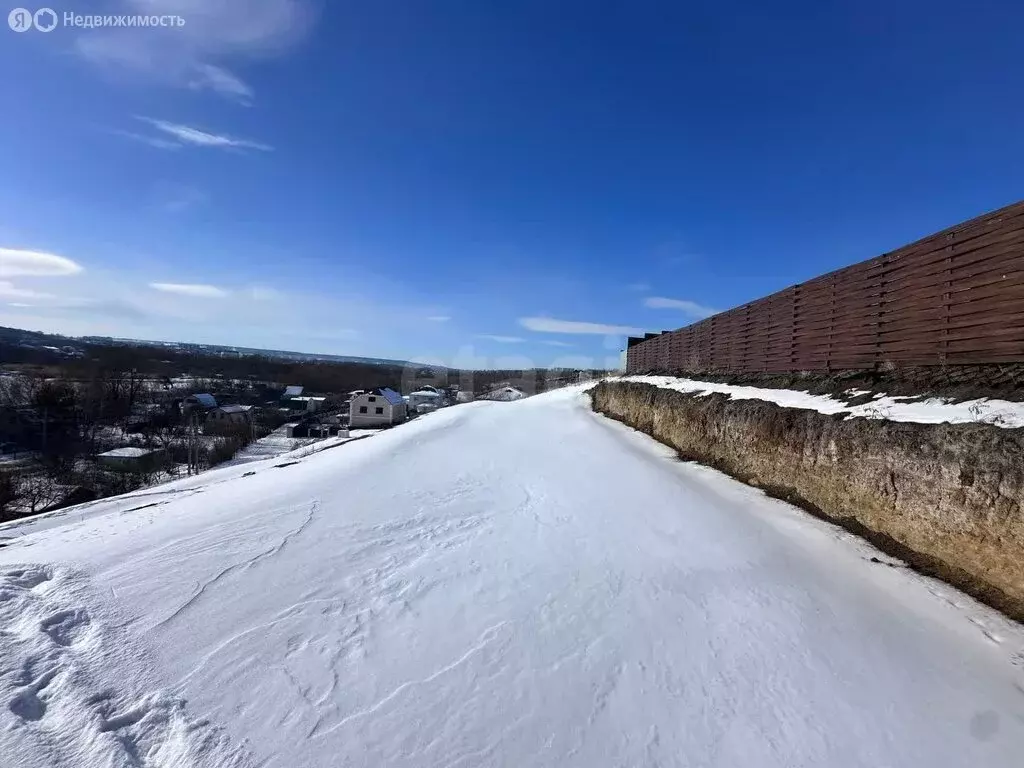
point(26, 578)
point(26, 703)
point(66, 627)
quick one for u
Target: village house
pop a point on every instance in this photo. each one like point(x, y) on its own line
point(307, 403)
point(425, 400)
point(228, 419)
point(132, 459)
point(377, 408)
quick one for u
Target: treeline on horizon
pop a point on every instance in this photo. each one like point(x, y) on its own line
point(319, 376)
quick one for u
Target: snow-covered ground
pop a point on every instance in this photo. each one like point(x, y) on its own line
point(274, 444)
point(499, 584)
point(1002, 413)
point(277, 443)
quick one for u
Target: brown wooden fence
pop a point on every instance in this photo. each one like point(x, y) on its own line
point(956, 297)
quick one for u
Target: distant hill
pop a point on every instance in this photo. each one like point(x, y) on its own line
point(72, 346)
point(276, 354)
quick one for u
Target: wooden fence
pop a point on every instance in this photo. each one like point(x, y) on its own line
point(956, 297)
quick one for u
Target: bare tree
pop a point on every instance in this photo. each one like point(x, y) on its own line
point(9, 496)
point(39, 491)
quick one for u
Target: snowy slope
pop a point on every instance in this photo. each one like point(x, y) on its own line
point(1002, 413)
point(498, 584)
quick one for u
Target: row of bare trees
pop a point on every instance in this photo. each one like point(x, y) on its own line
point(53, 426)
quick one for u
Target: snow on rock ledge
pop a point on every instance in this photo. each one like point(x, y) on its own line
point(945, 497)
point(1001, 413)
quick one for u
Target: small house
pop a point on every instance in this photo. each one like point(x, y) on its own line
point(195, 404)
point(377, 408)
point(313, 427)
point(425, 400)
point(132, 459)
point(228, 419)
point(202, 400)
point(305, 403)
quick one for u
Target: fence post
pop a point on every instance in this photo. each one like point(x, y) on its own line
point(881, 310)
point(946, 297)
point(792, 329)
point(831, 323)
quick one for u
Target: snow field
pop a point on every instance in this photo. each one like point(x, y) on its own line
point(519, 583)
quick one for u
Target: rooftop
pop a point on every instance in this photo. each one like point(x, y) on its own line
point(391, 396)
point(128, 453)
point(204, 399)
point(235, 408)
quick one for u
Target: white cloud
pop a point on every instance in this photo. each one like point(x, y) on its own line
point(691, 308)
point(639, 287)
point(551, 325)
point(439, 318)
point(382, 319)
point(152, 141)
point(501, 339)
point(220, 80)
point(9, 291)
point(18, 263)
point(191, 289)
point(556, 343)
point(18, 304)
point(194, 55)
point(188, 135)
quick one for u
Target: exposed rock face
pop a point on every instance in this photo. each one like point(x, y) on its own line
point(946, 498)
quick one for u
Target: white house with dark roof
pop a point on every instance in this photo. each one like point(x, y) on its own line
point(377, 408)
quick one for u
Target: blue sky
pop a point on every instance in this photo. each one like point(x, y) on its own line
point(483, 183)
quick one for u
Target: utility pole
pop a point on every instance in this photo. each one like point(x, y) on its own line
point(194, 442)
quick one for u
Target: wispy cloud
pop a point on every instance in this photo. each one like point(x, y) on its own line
point(639, 287)
point(217, 79)
point(18, 263)
point(9, 291)
point(551, 325)
point(439, 318)
point(557, 343)
point(378, 321)
point(152, 141)
point(501, 339)
point(187, 135)
point(191, 289)
point(196, 55)
point(691, 308)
